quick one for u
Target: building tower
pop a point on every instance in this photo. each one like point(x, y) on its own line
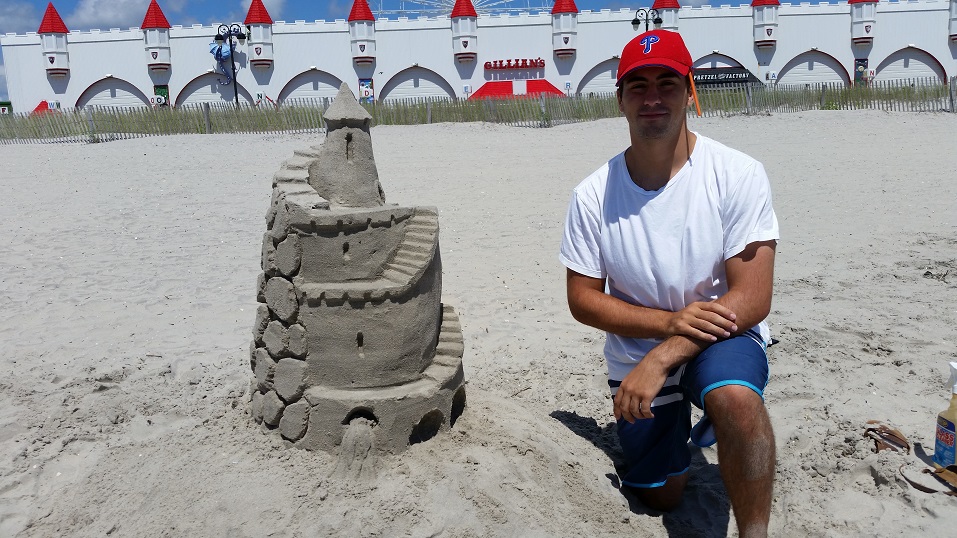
point(668, 11)
point(953, 21)
point(156, 35)
point(362, 33)
point(260, 35)
point(564, 28)
point(53, 43)
point(464, 31)
point(765, 15)
point(863, 21)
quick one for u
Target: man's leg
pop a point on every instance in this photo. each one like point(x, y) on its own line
point(746, 454)
point(665, 498)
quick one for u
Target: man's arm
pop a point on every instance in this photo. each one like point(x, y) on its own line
point(589, 304)
point(750, 283)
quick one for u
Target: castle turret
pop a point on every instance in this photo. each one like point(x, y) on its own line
point(156, 34)
point(564, 28)
point(765, 16)
point(953, 21)
point(260, 35)
point(362, 33)
point(464, 31)
point(668, 11)
point(53, 43)
point(863, 21)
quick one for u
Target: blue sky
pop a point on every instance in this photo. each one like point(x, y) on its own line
point(20, 16)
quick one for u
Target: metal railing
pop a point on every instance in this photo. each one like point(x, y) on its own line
point(104, 123)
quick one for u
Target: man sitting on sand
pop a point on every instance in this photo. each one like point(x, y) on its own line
point(670, 249)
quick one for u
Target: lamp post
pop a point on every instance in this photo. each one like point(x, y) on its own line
point(648, 15)
point(231, 34)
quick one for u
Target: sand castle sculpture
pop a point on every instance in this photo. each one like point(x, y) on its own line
point(352, 333)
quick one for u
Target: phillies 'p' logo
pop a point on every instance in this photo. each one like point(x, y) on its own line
point(362, 48)
point(648, 41)
point(153, 54)
point(465, 43)
point(867, 29)
point(259, 50)
point(769, 32)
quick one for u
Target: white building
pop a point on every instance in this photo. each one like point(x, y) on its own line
point(468, 56)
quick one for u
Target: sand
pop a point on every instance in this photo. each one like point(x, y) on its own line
point(128, 289)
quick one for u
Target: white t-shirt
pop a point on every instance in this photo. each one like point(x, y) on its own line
point(665, 249)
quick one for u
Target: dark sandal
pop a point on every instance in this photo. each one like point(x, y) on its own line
point(946, 476)
point(886, 437)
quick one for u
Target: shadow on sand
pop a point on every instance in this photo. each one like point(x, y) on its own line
point(705, 510)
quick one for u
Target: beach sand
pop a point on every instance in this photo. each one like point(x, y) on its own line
point(128, 289)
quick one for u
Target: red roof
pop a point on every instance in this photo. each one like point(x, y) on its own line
point(758, 3)
point(564, 6)
point(673, 4)
point(257, 14)
point(360, 12)
point(503, 89)
point(861, 2)
point(537, 86)
point(154, 17)
point(463, 8)
point(52, 23)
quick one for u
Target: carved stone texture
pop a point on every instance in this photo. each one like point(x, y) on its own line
point(288, 256)
point(262, 320)
point(290, 379)
point(281, 298)
point(294, 420)
point(265, 369)
point(272, 408)
point(276, 339)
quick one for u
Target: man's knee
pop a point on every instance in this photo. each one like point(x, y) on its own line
point(665, 498)
point(732, 399)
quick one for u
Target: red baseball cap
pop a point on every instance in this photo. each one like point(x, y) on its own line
point(661, 48)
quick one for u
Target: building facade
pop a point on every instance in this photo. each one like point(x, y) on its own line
point(466, 55)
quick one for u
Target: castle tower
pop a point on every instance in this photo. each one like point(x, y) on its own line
point(668, 11)
point(765, 15)
point(863, 21)
point(362, 33)
point(260, 35)
point(953, 21)
point(564, 28)
point(352, 346)
point(156, 35)
point(53, 43)
point(464, 31)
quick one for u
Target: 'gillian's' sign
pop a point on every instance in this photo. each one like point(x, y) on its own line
point(523, 63)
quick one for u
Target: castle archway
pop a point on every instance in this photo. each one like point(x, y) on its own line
point(311, 85)
point(112, 91)
point(206, 88)
point(813, 67)
point(416, 82)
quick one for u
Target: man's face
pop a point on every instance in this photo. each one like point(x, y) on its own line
point(654, 100)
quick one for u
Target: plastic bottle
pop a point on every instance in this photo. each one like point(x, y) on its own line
point(944, 447)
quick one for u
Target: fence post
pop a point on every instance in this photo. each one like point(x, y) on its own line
point(823, 90)
point(541, 106)
point(747, 98)
point(953, 94)
point(89, 121)
point(428, 112)
point(209, 126)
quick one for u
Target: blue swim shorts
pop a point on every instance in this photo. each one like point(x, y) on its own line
point(657, 448)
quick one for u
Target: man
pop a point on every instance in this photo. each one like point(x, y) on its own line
point(669, 248)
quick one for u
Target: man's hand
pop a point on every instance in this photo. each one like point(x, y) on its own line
point(639, 388)
point(705, 321)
